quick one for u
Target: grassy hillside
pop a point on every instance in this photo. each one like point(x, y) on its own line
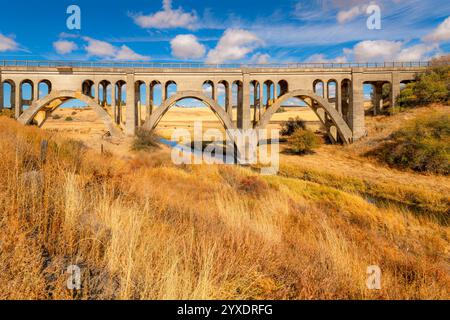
point(141, 228)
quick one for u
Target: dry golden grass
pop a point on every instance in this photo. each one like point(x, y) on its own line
point(141, 228)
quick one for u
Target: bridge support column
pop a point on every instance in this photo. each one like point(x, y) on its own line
point(255, 103)
point(130, 126)
point(35, 92)
point(356, 113)
point(113, 102)
point(338, 97)
point(228, 100)
point(1, 92)
point(261, 97)
point(93, 93)
point(17, 101)
point(119, 105)
point(104, 96)
point(148, 102)
point(395, 90)
point(377, 98)
point(138, 104)
point(243, 116)
point(163, 92)
point(275, 91)
point(214, 86)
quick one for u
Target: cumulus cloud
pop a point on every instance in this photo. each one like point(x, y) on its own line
point(235, 44)
point(103, 49)
point(7, 44)
point(98, 48)
point(417, 52)
point(186, 46)
point(441, 33)
point(376, 50)
point(125, 53)
point(64, 46)
point(383, 50)
point(167, 18)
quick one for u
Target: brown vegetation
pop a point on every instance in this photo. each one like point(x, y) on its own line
point(144, 229)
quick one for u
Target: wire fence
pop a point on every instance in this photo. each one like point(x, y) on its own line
point(198, 65)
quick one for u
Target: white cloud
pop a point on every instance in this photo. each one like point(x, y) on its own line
point(235, 44)
point(103, 49)
point(376, 50)
point(388, 51)
point(97, 48)
point(186, 46)
point(417, 52)
point(349, 15)
point(167, 18)
point(7, 44)
point(260, 58)
point(441, 33)
point(125, 53)
point(64, 46)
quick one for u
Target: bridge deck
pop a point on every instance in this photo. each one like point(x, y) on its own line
point(202, 67)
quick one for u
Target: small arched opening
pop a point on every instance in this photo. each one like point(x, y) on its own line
point(121, 98)
point(45, 88)
point(170, 89)
point(104, 89)
point(208, 89)
point(318, 88)
point(26, 94)
point(88, 89)
point(9, 94)
point(283, 88)
point(268, 94)
point(223, 98)
point(346, 94)
point(140, 97)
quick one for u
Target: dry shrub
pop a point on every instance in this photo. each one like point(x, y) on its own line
point(422, 145)
point(289, 127)
point(145, 140)
point(253, 185)
point(303, 142)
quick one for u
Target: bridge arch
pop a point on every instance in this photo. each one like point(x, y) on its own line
point(328, 115)
point(156, 117)
point(52, 101)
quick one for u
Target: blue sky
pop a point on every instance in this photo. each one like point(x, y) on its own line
point(225, 31)
point(251, 31)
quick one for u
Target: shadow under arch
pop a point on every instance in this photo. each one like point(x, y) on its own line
point(343, 130)
point(156, 117)
point(52, 101)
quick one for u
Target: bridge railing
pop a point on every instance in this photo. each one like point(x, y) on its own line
point(199, 65)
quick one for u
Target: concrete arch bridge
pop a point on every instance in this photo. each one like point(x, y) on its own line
point(250, 94)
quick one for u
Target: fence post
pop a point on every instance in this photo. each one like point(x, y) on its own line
point(44, 149)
